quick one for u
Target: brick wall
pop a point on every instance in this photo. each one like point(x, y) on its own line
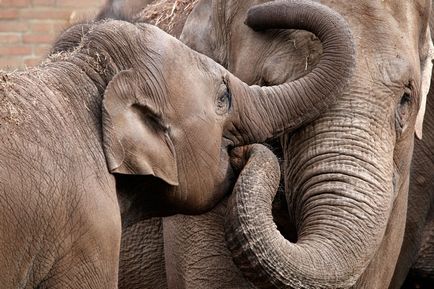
point(27, 27)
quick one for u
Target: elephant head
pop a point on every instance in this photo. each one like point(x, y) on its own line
point(346, 173)
point(170, 119)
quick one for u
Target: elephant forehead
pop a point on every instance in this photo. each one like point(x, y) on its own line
point(179, 60)
point(409, 11)
point(275, 57)
point(381, 22)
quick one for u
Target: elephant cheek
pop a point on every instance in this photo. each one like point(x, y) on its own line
point(227, 173)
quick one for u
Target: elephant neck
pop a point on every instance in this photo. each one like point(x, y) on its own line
point(82, 80)
point(88, 77)
point(97, 68)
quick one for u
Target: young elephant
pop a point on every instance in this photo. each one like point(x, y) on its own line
point(161, 122)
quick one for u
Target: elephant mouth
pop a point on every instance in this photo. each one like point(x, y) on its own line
point(237, 158)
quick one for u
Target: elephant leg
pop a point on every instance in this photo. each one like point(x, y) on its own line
point(88, 245)
point(422, 272)
point(141, 263)
point(425, 261)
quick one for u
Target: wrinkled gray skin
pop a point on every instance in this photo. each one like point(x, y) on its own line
point(141, 259)
point(346, 174)
point(420, 199)
point(113, 97)
point(418, 245)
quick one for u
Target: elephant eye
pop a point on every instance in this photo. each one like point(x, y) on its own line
point(224, 100)
point(404, 109)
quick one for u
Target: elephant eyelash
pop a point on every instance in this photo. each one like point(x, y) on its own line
point(228, 95)
point(406, 98)
point(226, 82)
point(403, 112)
point(409, 95)
point(224, 100)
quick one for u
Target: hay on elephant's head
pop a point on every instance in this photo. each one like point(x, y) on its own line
point(168, 15)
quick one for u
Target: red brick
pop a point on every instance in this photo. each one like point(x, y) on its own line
point(15, 50)
point(60, 26)
point(14, 3)
point(43, 2)
point(40, 21)
point(80, 15)
point(45, 13)
point(10, 38)
point(11, 63)
point(8, 13)
point(13, 26)
point(38, 38)
point(79, 3)
point(41, 26)
point(48, 26)
point(41, 50)
point(32, 61)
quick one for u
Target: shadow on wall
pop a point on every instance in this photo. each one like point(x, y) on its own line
point(28, 27)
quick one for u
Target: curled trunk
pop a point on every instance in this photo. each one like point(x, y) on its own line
point(304, 99)
point(341, 195)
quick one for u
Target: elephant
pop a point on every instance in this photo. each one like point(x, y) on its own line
point(115, 127)
point(346, 173)
point(141, 260)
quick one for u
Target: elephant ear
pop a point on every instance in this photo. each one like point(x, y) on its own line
point(135, 138)
point(426, 67)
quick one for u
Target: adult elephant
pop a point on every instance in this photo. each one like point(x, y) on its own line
point(114, 95)
point(346, 174)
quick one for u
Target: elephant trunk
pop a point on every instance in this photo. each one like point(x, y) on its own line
point(285, 107)
point(341, 196)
